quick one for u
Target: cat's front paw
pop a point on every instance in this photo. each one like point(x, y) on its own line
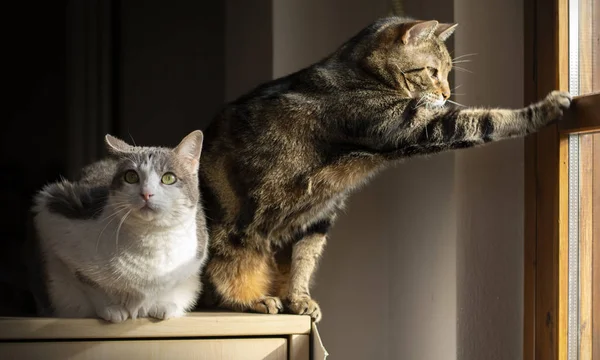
point(140, 312)
point(304, 305)
point(556, 103)
point(165, 310)
point(268, 305)
point(114, 313)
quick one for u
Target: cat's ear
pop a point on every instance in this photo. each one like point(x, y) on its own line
point(443, 31)
point(413, 32)
point(191, 148)
point(115, 145)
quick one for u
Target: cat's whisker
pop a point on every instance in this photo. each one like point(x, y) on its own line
point(117, 209)
point(102, 231)
point(455, 103)
point(133, 141)
point(115, 205)
point(119, 229)
point(114, 216)
point(465, 55)
point(461, 61)
point(422, 102)
point(462, 69)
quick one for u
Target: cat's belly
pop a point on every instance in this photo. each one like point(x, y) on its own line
point(147, 264)
point(297, 222)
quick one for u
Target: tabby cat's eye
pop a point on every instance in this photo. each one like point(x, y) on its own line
point(168, 178)
point(131, 177)
point(433, 72)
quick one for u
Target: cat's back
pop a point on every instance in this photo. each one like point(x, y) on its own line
point(71, 200)
point(63, 209)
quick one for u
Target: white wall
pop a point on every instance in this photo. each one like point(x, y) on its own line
point(489, 187)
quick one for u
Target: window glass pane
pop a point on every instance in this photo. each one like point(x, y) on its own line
point(584, 189)
point(589, 46)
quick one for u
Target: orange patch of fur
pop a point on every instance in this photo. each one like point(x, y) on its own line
point(241, 281)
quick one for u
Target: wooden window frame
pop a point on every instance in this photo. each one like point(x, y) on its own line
point(546, 185)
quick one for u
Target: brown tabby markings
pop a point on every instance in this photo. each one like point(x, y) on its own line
point(281, 160)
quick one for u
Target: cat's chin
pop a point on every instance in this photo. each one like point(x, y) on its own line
point(437, 104)
point(146, 214)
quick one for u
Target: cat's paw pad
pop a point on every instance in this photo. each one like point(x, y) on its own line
point(268, 305)
point(114, 313)
point(559, 101)
point(164, 311)
point(304, 305)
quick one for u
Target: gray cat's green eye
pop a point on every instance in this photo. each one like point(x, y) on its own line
point(168, 178)
point(131, 177)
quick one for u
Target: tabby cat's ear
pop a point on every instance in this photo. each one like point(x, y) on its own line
point(443, 31)
point(191, 148)
point(115, 145)
point(414, 32)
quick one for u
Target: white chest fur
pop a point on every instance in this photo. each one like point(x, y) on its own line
point(130, 259)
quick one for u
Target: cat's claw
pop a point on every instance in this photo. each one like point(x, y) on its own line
point(114, 313)
point(268, 305)
point(164, 311)
point(304, 305)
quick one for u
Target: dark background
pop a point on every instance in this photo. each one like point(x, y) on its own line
point(76, 70)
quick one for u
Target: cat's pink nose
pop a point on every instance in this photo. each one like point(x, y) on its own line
point(146, 196)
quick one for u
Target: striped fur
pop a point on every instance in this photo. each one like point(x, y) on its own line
point(280, 161)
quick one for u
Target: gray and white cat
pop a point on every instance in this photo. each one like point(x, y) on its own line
point(129, 240)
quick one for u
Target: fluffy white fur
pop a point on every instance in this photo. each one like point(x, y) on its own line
point(137, 258)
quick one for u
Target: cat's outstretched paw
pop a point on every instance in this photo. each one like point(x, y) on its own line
point(164, 311)
point(556, 103)
point(268, 305)
point(304, 305)
point(114, 313)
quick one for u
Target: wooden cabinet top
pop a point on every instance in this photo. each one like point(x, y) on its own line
point(199, 324)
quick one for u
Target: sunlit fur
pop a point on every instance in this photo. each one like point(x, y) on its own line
point(116, 249)
point(281, 160)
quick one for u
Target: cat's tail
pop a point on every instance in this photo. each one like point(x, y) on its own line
point(71, 200)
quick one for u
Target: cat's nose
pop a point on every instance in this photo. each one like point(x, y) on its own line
point(146, 196)
point(446, 95)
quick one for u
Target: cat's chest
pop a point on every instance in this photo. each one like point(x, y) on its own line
point(158, 256)
point(165, 251)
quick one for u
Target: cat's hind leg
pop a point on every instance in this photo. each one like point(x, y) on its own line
point(243, 281)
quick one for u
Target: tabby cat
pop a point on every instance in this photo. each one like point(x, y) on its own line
point(129, 239)
point(280, 161)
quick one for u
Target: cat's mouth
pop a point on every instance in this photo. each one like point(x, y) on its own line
point(432, 100)
point(148, 208)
